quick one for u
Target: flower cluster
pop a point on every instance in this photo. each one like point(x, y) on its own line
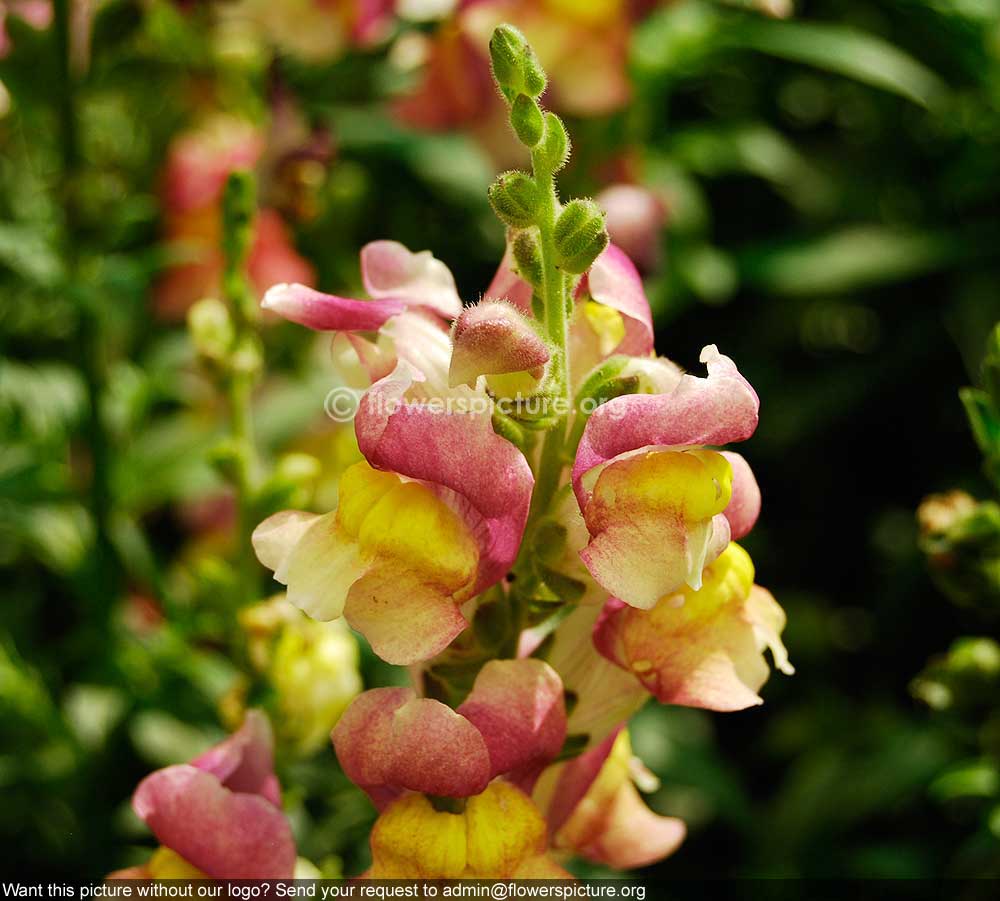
point(543, 556)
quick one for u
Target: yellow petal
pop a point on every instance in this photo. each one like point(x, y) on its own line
point(505, 829)
point(412, 840)
point(168, 864)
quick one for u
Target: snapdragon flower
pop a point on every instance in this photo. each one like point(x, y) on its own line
point(542, 527)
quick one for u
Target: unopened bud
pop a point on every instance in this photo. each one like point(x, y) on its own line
point(580, 235)
point(493, 338)
point(553, 151)
point(515, 198)
point(515, 66)
point(211, 329)
point(527, 120)
point(527, 253)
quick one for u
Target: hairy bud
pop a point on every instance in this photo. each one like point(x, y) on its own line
point(580, 235)
point(515, 66)
point(527, 120)
point(516, 199)
point(553, 151)
point(528, 256)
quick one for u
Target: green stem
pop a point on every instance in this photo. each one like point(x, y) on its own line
point(91, 358)
point(238, 210)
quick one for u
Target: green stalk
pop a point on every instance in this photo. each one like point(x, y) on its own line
point(238, 210)
point(91, 359)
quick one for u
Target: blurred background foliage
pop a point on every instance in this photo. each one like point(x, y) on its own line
point(824, 187)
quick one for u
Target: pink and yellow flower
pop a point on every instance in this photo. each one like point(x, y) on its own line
point(435, 513)
point(220, 815)
point(700, 647)
point(410, 753)
point(594, 808)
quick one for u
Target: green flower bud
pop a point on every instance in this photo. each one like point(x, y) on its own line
point(527, 120)
point(553, 151)
point(515, 67)
point(507, 46)
point(528, 256)
point(516, 199)
point(211, 329)
point(580, 235)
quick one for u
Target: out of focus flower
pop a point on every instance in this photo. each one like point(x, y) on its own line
point(312, 667)
point(960, 537)
point(582, 45)
point(37, 13)
point(220, 815)
point(315, 31)
point(635, 220)
point(198, 164)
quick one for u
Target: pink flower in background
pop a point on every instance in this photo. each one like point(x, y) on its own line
point(635, 220)
point(219, 815)
point(582, 46)
point(36, 13)
point(197, 166)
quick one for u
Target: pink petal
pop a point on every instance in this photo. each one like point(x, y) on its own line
point(244, 762)
point(715, 410)
point(630, 835)
point(388, 740)
point(390, 270)
point(614, 281)
point(518, 707)
point(508, 285)
point(744, 506)
point(457, 451)
point(492, 338)
point(575, 780)
point(327, 312)
point(224, 833)
point(372, 21)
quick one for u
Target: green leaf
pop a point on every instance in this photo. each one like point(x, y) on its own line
point(982, 419)
point(845, 51)
point(849, 259)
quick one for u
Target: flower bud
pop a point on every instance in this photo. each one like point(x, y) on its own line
point(211, 329)
point(515, 66)
point(493, 338)
point(527, 120)
point(553, 152)
point(580, 235)
point(528, 256)
point(515, 198)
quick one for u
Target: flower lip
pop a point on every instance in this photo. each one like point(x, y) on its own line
point(389, 741)
point(716, 410)
point(221, 813)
